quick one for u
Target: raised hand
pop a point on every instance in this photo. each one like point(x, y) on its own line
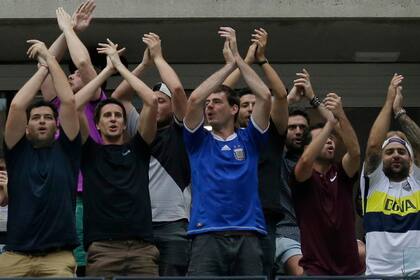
point(63, 19)
point(333, 103)
point(82, 17)
point(396, 81)
point(303, 83)
point(394, 84)
point(295, 95)
point(227, 53)
point(152, 41)
point(111, 50)
point(260, 37)
point(110, 65)
point(38, 51)
point(147, 59)
point(250, 55)
point(230, 35)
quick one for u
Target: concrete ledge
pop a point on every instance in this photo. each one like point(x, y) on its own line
point(360, 85)
point(275, 9)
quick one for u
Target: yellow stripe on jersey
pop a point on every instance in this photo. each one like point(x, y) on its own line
point(387, 204)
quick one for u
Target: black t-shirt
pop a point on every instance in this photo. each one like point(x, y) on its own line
point(116, 194)
point(42, 195)
point(169, 149)
point(270, 172)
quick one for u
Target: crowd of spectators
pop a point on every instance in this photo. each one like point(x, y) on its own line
point(223, 182)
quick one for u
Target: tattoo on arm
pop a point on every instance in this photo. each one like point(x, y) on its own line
point(412, 130)
point(372, 162)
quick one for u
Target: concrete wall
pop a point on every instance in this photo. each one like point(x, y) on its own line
point(23, 9)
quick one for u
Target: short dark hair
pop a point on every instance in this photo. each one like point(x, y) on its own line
point(299, 111)
point(41, 103)
point(244, 91)
point(104, 102)
point(231, 95)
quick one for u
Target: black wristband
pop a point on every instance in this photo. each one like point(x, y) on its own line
point(315, 102)
point(260, 63)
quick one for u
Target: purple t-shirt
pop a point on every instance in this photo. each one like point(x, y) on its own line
point(93, 132)
point(325, 215)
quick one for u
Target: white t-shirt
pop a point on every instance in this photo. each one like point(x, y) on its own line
point(392, 223)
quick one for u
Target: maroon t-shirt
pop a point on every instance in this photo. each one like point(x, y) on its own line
point(325, 215)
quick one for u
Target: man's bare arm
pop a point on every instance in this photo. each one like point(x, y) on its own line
point(380, 128)
point(408, 126)
point(249, 59)
point(147, 120)
point(261, 111)
point(168, 75)
point(84, 95)
point(81, 19)
point(68, 113)
point(351, 160)
point(16, 120)
point(78, 52)
point(279, 108)
point(412, 130)
point(197, 100)
point(124, 92)
point(304, 166)
point(84, 126)
point(4, 199)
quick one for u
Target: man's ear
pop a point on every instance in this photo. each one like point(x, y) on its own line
point(235, 109)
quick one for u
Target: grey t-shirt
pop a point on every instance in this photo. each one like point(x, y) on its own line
point(288, 227)
point(169, 171)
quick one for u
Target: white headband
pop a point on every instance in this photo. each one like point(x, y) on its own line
point(163, 89)
point(396, 139)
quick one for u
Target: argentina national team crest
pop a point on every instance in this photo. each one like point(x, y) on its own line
point(239, 153)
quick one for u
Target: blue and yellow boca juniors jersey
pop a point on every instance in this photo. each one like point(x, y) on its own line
point(392, 223)
point(225, 180)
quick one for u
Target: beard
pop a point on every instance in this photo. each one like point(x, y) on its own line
point(297, 149)
point(397, 175)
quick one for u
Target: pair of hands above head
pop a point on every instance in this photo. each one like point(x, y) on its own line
point(256, 50)
point(79, 21)
point(152, 53)
point(395, 92)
